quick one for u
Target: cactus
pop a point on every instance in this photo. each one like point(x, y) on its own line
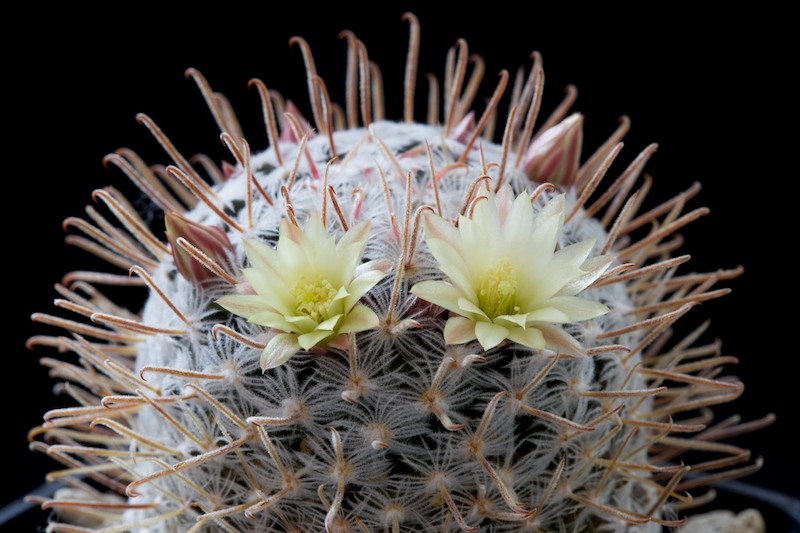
point(380, 325)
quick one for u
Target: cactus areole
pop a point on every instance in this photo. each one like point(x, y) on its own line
point(380, 325)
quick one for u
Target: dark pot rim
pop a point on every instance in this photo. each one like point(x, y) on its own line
point(781, 511)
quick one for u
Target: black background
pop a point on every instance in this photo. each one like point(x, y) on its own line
point(711, 88)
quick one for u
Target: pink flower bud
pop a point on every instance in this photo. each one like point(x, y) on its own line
point(210, 240)
point(287, 132)
point(555, 155)
point(464, 128)
point(228, 170)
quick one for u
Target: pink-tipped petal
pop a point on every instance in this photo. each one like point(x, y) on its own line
point(560, 341)
point(459, 330)
point(279, 349)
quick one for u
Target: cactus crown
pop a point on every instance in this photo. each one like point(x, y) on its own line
point(388, 326)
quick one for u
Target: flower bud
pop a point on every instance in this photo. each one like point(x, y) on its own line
point(554, 156)
point(211, 240)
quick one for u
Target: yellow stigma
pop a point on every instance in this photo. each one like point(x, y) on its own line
point(498, 290)
point(313, 295)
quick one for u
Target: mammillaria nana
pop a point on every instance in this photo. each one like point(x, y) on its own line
point(388, 325)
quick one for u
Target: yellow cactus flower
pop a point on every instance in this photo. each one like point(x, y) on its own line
point(506, 279)
point(307, 288)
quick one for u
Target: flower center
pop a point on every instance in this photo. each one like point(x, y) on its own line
point(313, 296)
point(498, 290)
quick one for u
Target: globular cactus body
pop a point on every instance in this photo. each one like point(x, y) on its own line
point(396, 409)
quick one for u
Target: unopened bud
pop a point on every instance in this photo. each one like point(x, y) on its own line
point(555, 155)
point(210, 240)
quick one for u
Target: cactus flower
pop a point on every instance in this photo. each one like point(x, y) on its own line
point(211, 240)
point(307, 288)
point(554, 156)
point(505, 278)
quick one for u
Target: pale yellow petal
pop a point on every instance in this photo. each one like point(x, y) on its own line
point(314, 229)
point(263, 281)
point(531, 337)
point(489, 334)
point(261, 255)
point(576, 308)
point(244, 305)
point(517, 227)
point(459, 330)
point(504, 202)
point(330, 324)
point(438, 228)
point(360, 318)
point(289, 232)
point(553, 211)
point(341, 294)
point(536, 252)
point(361, 285)
point(313, 338)
point(543, 237)
point(273, 320)
point(511, 321)
point(274, 290)
point(481, 242)
point(300, 323)
point(453, 265)
point(548, 314)
point(323, 257)
point(485, 216)
point(563, 267)
point(470, 308)
point(293, 260)
point(337, 308)
point(352, 243)
point(382, 265)
point(438, 293)
point(279, 349)
point(575, 254)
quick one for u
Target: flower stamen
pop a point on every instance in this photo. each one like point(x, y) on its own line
point(498, 290)
point(314, 295)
